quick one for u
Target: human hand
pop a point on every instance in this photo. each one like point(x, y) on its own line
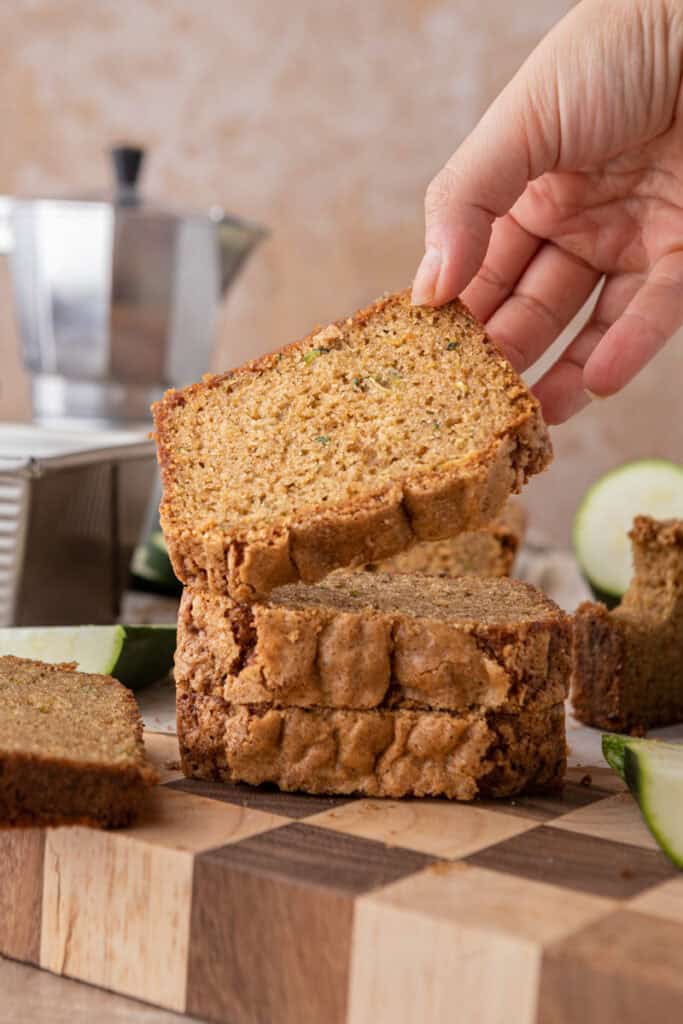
point(574, 173)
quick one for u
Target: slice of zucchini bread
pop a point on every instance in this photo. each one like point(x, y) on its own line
point(490, 551)
point(628, 663)
point(398, 424)
point(71, 748)
point(367, 640)
point(380, 752)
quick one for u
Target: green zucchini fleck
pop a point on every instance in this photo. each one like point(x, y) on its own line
point(314, 353)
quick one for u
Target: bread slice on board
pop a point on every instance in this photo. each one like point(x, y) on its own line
point(71, 748)
point(490, 551)
point(367, 640)
point(628, 663)
point(389, 753)
point(398, 424)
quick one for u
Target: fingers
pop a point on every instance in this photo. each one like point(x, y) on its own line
point(465, 198)
point(647, 323)
point(549, 293)
point(632, 320)
point(518, 138)
point(561, 391)
point(561, 111)
point(510, 251)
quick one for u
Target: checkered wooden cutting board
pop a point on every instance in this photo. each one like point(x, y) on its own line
point(254, 907)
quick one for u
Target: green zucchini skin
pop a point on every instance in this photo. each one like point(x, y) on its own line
point(135, 655)
point(613, 746)
point(636, 761)
point(146, 655)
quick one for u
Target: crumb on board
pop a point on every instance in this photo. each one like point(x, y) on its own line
point(440, 867)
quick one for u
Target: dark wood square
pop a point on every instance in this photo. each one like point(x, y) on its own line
point(265, 948)
point(547, 806)
point(572, 860)
point(21, 892)
point(321, 857)
point(271, 923)
point(261, 798)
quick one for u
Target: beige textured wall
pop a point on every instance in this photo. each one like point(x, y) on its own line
point(323, 119)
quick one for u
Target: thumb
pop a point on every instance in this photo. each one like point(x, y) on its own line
point(516, 140)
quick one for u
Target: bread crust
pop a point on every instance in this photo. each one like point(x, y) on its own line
point(386, 753)
point(246, 563)
point(45, 787)
point(326, 655)
point(53, 791)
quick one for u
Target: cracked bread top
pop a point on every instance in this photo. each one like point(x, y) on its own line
point(364, 640)
point(379, 753)
point(395, 424)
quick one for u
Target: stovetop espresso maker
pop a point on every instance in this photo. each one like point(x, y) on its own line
point(116, 295)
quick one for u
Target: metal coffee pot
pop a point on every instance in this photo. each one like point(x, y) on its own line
point(116, 296)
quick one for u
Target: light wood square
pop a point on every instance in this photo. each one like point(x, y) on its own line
point(438, 828)
point(458, 943)
point(116, 913)
point(164, 754)
point(476, 897)
point(184, 822)
point(116, 905)
point(664, 900)
point(407, 968)
point(616, 818)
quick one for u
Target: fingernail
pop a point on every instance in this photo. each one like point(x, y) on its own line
point(427, 276)
point(592, 396)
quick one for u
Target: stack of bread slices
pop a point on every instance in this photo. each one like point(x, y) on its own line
point(400, 426)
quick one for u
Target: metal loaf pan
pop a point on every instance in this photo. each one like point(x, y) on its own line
point(72, 504)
